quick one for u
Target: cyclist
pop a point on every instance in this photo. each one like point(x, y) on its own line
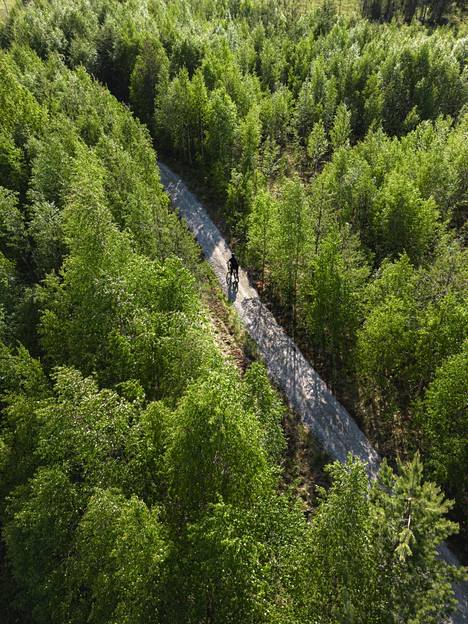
point(233, 268)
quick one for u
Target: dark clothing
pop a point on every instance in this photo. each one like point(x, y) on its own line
point(233, 266)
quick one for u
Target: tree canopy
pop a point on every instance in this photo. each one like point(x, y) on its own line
point(141, 471)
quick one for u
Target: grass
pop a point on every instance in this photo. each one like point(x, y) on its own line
point(229, 332)
point(5, 7)
point(347, 7)
point(343, 7)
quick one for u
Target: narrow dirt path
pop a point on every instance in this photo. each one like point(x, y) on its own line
point(328, 421)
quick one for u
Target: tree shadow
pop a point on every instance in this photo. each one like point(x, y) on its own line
point(327, 420)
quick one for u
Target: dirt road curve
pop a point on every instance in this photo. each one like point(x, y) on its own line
point(306, 392)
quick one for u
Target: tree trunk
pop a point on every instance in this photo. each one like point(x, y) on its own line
point(437, 10)
point(409, 10)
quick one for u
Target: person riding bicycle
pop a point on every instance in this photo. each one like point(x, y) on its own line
point(233, 266)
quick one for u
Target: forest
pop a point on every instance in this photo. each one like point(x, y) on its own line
point(142, 473)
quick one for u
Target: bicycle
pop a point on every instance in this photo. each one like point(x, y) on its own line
point(232, 278)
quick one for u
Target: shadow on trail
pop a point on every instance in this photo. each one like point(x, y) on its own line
point(306, 391)
point(232, 290)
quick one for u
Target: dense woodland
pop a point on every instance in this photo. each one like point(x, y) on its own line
point(141, 474)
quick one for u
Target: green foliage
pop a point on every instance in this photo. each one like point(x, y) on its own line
point(387, 540)
point(8, 289)
point(419, 81)
point(256, 554)
point(24, 388)
point(174, 114)
point(46, 233)
point(233, 465)
point(11, 163)
point(268, 408)
point(432, 12)
point(443, 421)
point(289, 240)
point(13, 241)
point(120, 553)
point(139, 473)
point(43, 515)
point(21, 114)
point(275, 115)
point(83, 431)
point(51, 161)
point(341, 129)
point(407, 223)
point(330, 300)
point(317, 145)
point(409, 525)
point(149, 77)
point(262, 219)
point(220, 140)
point(343, 587)
point(317, 100)
point(142, 321)
point(21, 374)
point(223, 561)
point(409, 331)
